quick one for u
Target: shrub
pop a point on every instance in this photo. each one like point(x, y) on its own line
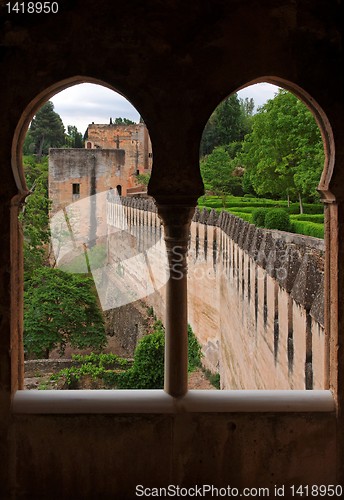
point(317, 218)
point(277, 218)
point(214, 378)
point(97, 366)
point(308, 228)
point(313, 208)
point(243, 208)
point(243, 215)
point(258, 216)
point(308, 208)
point(147, 371)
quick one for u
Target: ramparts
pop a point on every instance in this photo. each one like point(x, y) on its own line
point(255, 298)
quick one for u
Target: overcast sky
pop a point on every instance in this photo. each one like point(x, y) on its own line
point(83, 104)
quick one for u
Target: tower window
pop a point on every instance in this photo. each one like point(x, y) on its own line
point(76, 191)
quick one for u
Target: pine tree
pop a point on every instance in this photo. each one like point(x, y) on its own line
point(46, 131)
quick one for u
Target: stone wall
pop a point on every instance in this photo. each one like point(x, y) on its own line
point(113, 156)
point(134, 139)
point(255, 296)
point(94, 171)
point(175, 61)
point(256, 303)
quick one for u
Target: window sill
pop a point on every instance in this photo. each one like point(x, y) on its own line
point(158, 401)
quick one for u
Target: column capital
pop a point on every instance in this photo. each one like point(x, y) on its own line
point(176, 219)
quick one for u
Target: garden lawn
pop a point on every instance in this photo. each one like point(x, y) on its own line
point(310, 223)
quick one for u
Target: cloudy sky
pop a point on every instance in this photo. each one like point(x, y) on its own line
point(83, 104)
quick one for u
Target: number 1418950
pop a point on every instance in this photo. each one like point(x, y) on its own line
point(315, 490)
point(32, 7)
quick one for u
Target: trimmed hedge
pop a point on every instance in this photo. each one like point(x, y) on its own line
point(258, 216)
point(308, 208)
point(317, 218)
point(253, 210)
point(245, 216)
point(243, 209)
point(277, 218)
point(308, 228)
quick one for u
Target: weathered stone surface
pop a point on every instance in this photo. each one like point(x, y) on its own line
point(204, 216)
point(126, 325)
point(212, 218)
point(249, 237)
point(196, 215)
point(256, 242)
point(317, 309)
point(243, 232)
point(307, 281)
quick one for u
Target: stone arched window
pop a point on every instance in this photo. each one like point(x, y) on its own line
point(177, 219)
point(272, 281)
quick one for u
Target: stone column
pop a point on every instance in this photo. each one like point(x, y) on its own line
point(176, 220)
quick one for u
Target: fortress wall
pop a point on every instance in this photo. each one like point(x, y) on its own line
point(255, 298)
point(134, 139)
point(94, 170)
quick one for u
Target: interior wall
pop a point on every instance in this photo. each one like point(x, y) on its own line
point(175, 61)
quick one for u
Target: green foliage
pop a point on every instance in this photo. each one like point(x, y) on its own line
point(308, 228)
point(61, 308)
point(194, 351)
point(46, 131)
point(121, 121)
point(147, 371)
point(214, 378)
point(97, 366)
point(73, 138)
point(308, 208)
point(143, 179)
point(258, 216)
point(217, 171)
point(34, 217)
point(96, 257)
point(241, 209)
point(245, 207)
point(277, 218)
point(242, 215)
point(283, 155)
point(317, 218)
point(227, 124)
point(103, 360)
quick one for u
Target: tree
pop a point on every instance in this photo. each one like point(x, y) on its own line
point(121, 121)
point(247, 108)
point(283, 155)
point(35, 216)
point(61, 308)
point(73, 138)
point(218, 172)
point(224, 126)
point(46, 131)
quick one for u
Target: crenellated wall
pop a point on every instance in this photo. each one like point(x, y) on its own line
point(255, 296)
